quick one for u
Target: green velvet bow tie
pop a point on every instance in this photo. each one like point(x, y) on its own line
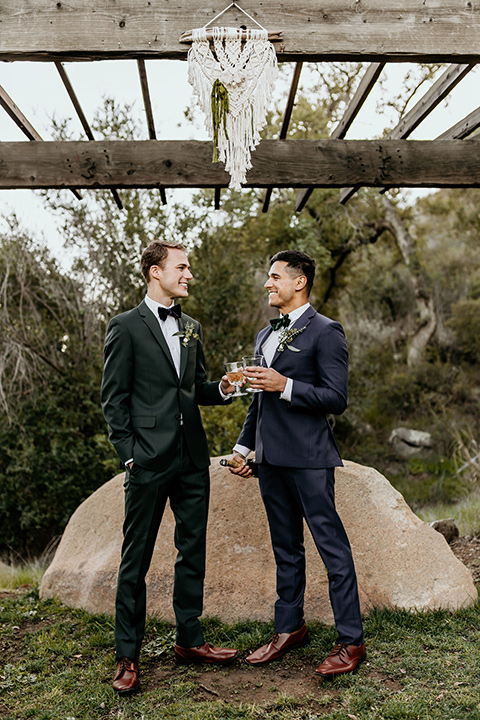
point(280, 322)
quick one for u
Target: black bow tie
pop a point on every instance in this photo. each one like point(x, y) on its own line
point(175, 311)
point(280, 322)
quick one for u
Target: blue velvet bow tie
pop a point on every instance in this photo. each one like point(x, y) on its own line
point(281, 322)
point(175, 311)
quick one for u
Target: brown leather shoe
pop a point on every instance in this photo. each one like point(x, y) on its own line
point(204, 654)
point(343, 659)
point(280, 644)
point(126, 678)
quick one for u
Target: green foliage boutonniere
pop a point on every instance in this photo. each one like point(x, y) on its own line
point(286, 337)
point(187, 333)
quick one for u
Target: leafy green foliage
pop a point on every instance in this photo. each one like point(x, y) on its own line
point(51, 453)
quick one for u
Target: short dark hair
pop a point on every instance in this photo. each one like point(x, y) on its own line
point(298, 261)
point(156, 254)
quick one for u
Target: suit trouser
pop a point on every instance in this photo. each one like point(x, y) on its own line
point(146, 494)
point(289, 495)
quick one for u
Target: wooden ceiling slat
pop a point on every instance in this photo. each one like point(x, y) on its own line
point(21, 121)
point(463, 128)
point(17, 116)
point(433, 97)
point(142, 71)
point(81, 116)
point(286, 121)
point(365, 85)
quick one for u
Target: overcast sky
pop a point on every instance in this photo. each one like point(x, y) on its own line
point(38, 91)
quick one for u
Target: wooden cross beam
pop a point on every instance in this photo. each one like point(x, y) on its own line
point(365, 30)
point(433, 97)
point(276, 163)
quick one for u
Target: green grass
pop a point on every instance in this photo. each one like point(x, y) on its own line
point(57, 663)
point(15, 576)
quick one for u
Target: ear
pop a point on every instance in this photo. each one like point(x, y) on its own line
point(300, 283)
point(154, 271)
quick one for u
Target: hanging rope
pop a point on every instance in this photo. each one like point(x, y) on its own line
point(233, 84)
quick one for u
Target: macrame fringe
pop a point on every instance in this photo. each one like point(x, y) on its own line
point(233, 86)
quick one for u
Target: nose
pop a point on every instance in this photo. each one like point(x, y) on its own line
point(188, 275)
point(268, 284)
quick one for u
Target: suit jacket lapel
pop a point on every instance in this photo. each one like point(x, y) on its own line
point(303, 321)
point(151, 321)
point(183, 349)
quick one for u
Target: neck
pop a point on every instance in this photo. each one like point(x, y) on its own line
point(294, 305)
point(156, 293)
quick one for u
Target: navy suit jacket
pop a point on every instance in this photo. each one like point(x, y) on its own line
point(297, 433)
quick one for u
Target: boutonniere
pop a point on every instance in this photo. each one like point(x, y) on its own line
point(187, 333)
point(286, 337)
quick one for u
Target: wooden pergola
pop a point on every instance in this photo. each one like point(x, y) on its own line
point(58, 31)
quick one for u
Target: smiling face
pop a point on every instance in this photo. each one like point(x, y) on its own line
point(286, 289)
point(170, 281)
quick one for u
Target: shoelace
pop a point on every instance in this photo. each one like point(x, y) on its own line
point(340, 649)
point(126, 664)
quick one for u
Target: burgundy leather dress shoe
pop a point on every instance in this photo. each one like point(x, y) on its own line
point(343, 659)
point(126, 678)
point(204, 654)
point(280, 644)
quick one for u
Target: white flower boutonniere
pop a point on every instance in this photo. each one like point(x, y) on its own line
point(286, 337)
point(187, 333)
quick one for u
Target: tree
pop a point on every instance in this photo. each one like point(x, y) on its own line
point(53, 446)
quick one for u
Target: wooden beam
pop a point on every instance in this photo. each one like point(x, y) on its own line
point(367, 82)
point(21, 121)
point(17, 116)
point(276, 163)
point(81, 116)
point(368, 30)
point(286, 121)
point(433, 97)
point(147, 103)
point(463, 128)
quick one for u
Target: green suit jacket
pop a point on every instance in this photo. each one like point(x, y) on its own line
point(144, 400)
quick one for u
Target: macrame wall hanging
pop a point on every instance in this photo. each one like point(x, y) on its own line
point(233, 71)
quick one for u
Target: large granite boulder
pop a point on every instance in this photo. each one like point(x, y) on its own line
point(400, 560)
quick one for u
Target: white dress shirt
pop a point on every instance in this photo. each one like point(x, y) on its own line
point(169, 326)
point(269, 348)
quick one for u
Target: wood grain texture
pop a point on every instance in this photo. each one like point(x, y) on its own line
point(373, 30)
point(276, 163)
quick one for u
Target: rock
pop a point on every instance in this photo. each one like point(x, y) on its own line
point(410, 443)
point(448, 528)
point(401, 561)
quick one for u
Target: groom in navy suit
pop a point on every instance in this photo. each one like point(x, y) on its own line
point(304, 379)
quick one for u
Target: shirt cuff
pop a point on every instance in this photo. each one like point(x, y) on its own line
point(127, 462)
point(287, 393)
point(224, 396)
point(242, 450)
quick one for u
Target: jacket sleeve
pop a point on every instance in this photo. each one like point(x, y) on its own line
point(206, 393)
point(116, 388)
point(329, 393)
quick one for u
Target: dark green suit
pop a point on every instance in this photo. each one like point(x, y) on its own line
point(154, 418)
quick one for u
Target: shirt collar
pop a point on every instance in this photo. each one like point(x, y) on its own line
point(154, 305)
point(295, 314)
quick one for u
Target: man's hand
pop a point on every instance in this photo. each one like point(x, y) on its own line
point(267, 379)
point(243, 470)
point(226, 386)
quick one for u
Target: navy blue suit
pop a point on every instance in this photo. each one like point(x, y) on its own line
point(297, 454)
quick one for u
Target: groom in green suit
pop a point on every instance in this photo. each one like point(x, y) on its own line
point(154, 380)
